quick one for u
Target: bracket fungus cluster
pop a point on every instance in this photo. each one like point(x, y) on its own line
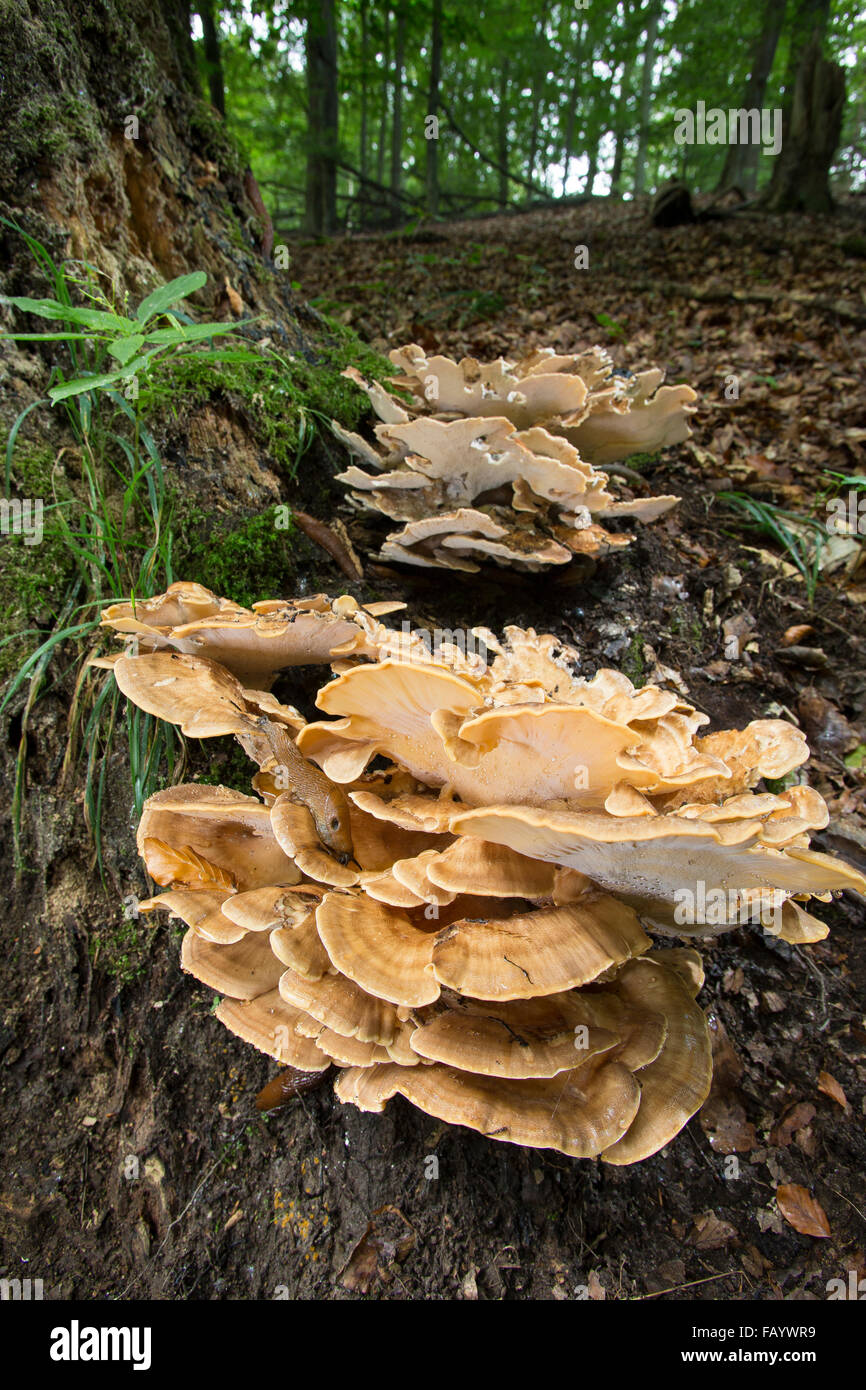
point(501, 461)
point(445, 887)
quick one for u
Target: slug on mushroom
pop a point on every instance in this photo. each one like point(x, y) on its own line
point(326, 802)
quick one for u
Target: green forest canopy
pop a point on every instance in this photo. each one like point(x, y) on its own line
point(533, 100)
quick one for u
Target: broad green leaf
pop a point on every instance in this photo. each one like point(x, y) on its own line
point(85, 383)
point(67, 313)
point(169, 294)
point(171, 337)
point(125, 348)
point(48, 337)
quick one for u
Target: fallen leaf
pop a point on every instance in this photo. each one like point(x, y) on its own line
point(668, 1276)
point(181, 864)
point(384, 1242)
point(753, 1262)
point(773, 1001)
point(727, 1067)
point(802, 1211)
point(724, 1122)
point(830, 1087)
point(711, 1233)
point(769, 1220)
point(795, 1117)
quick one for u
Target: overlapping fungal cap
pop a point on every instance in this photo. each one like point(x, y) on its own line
point(576, 395)
point(481, 948)
point(255, 643)
point(498, 460)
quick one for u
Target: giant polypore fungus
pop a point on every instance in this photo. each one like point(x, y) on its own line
point(500, 460)
point(466, 921)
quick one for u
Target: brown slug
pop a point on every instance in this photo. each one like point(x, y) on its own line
point(286, 1085)
point(327, 804)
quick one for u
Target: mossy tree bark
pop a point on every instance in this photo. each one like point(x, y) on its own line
point(111, 154)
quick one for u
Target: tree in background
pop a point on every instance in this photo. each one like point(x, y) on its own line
point(320, 51)
point(815, 100)
point(741, 162)
point(534, 101)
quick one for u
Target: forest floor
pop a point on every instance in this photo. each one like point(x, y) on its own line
point(134, 1163)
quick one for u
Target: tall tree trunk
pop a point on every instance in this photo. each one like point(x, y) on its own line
point(320, 46)
point(539, 75)
point(593, 166)
point(805, 18)
point(801, 176)
point(363, 150)
point(383, 109)
point(502, 135)
point(741, 161)
point(212, 55)
point(433, 109)
point(646, 88)
point(620, 129)
point(397, 114)
point(573, 98)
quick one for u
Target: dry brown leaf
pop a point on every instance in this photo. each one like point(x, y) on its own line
point(724, 1122)
point(753, 1262)
point(802, 1211)
point(830, 1087)
point(795, 1118)
point(711, 1233)
point(388, 1240)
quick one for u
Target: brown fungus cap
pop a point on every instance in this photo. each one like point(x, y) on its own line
point(524, 955)
point(269, 1024)
point(483, 948)
point(244, 970)
point(677, 1083)
point(522, 1039)
point(515, 441)
point(580, 1113)
point(224, 830)
point(253, 644)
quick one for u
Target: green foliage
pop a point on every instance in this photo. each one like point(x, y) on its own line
point(251, 561)
point(634, 662)
point(616, 330)
point(112, 529)
point(107, 534)
point(287, 400)
point(639, 461)
point(801, 537)
point(100, 336)
point(555, 88)
point(229, 766)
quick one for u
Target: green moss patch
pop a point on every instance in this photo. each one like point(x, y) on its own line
point(285, 399)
